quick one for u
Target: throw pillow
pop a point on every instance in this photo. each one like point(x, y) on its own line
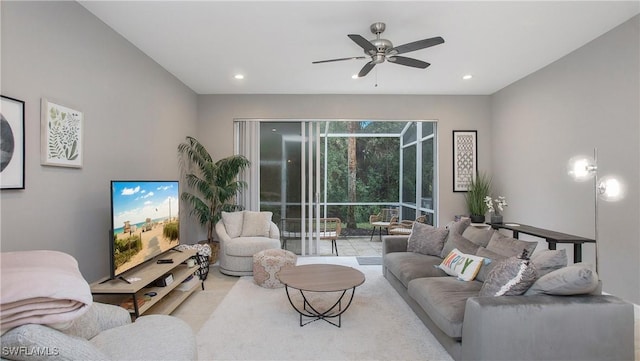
point(464, 266)
point(458, 241)
point(490, 259)
point(479, 236)
point(549, 260)
point(233, 223)
point(256, 224)
point(508, 246)
point(509, 277)
point(459, 226)
point(576, 279)
point(426, 239)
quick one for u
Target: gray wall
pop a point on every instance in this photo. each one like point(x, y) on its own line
point(587, 99)
point(217, 112)
point(135, 113)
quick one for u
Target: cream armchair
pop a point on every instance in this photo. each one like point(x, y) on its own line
point(104, 332)
point(241, 235)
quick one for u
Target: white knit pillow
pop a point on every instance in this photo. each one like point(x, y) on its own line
point(256, 224)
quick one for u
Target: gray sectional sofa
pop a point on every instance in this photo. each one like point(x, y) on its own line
point(533, 326)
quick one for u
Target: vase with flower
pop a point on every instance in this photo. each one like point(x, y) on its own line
point(500, 202)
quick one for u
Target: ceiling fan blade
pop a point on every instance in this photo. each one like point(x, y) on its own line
point(339, 59)
point(417, 45)
point(402, 60)
point(366, 69)
point(364, 43)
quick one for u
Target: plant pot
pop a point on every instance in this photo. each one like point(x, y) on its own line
point(477, 219)
point(496, 218)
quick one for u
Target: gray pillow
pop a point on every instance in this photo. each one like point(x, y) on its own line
point(426, 239)
point(549, 260)
point(256, 224)
point(458, 241)
point(576, 279)
point(491, 259)
point(459, 226)
point(509, 277)
point(479, 236)
point(233, 223)
point(508, 246)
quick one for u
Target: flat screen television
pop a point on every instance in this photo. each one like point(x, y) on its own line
point(145, 222)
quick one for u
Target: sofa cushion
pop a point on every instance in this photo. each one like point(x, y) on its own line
point(459, 226)
point(444, 300)
point(248, 246)
point(462, 265)
point(508, 246)
point(479, 236)
point(460, 242)
point(426, 239)
point(256, 224)
point(53, 344)
point(509, 277)
point(575, 279)
point(152, 337)
point(233, 223)
point(406, 266)
point(549, 260)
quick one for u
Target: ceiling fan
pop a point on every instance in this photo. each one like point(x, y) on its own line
point(382, 49)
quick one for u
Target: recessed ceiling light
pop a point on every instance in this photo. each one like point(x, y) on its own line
point(354, 76)
point(239, 76)
point(467, 77)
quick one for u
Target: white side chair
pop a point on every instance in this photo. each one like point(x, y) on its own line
point(241, 235)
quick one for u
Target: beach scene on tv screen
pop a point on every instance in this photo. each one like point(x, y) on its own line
point(145, 220)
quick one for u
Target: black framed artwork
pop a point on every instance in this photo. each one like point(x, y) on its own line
point(465, 159)
point(12, 143)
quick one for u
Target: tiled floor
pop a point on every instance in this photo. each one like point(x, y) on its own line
point(352, 246)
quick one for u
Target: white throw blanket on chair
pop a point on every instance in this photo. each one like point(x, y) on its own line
point(42, 287)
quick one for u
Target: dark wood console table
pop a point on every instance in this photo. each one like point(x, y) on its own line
point(551, 237)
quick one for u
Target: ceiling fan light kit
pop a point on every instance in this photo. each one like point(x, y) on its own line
point(381, 50)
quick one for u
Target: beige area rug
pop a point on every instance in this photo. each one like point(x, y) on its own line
point(255, 323)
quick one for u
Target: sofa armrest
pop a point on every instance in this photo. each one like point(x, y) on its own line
point(274, 231)
point(546, 327)
point(394, 244)
point(98, 318)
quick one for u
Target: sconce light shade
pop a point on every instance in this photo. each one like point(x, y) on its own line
point(581, 168)
point(611, 189)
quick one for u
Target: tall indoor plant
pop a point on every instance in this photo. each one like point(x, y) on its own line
point(210, 185)
point(479, 188)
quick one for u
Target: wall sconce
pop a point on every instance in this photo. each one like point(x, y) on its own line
point(608, 188)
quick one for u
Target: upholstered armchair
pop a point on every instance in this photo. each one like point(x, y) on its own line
point(241, 235)
point(103, 332)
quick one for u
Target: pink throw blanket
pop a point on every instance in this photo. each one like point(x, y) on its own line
point(43, 287)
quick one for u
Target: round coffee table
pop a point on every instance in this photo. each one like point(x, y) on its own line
point(321, 278)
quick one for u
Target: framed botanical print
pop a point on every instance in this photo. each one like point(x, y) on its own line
point(61, 135)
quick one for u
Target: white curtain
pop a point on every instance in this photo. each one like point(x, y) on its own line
point(247, 143)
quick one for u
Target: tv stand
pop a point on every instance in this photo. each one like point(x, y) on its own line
point(142, 282)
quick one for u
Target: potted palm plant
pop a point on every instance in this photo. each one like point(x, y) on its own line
point(479, 189)
point(210, 185)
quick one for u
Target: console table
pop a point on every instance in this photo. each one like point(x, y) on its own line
point(552, 237)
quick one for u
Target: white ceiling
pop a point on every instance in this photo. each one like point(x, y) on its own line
point(205, 43)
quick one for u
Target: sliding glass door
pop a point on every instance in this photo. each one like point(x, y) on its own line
point(305, 170)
